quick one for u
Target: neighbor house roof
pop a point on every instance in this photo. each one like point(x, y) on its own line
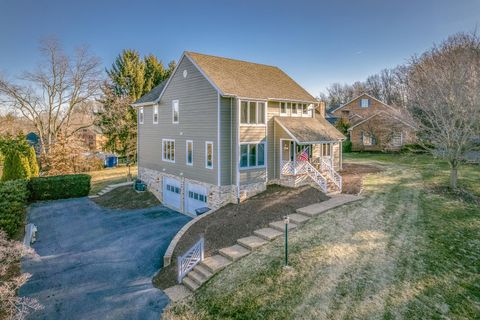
point(363, 94)
point(153, 95)
point(309, 130)
point(389, 114)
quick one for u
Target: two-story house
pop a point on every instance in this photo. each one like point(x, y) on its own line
point(374, 125)
point(219, 130)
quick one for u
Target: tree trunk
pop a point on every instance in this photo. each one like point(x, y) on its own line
point(453, 175)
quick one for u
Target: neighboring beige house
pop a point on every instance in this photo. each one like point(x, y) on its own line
point(219, 130)
point(374, 125)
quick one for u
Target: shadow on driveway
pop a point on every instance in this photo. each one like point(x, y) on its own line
point(98, 263)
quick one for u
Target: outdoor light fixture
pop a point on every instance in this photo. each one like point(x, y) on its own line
point(286, 220)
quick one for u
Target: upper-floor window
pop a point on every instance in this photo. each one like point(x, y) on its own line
point(141, 115)
point(252, 112)
point(252, 155)
point(168, 150)
point(305, 110)
point(209, 155)
point(175, 111)
point(364, 103)
point(155, 114)
point(284, 108)
point(189, 152)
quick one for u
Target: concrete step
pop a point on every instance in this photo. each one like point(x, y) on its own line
point(203, 271)
point(190, 284)
point(234, 252)
point(197, 277)
point(267, 233)
point(298, 218)
point(280, 225)
point(215, 263)
point(252, 242)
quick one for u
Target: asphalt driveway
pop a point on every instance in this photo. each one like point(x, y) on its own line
point(97, 263)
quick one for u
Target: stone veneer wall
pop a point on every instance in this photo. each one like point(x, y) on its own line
point(218, 196)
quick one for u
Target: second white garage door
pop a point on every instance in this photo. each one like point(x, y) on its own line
point(195, 197)
point(171, 193)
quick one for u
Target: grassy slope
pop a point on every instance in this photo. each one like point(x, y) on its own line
point(403, 252)
point(102, 178)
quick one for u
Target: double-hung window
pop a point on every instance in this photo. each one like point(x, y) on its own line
point(168, 150)
point(294, 109)
point(155, 114)
point(284, 108)
point(175, 111)
point(141, 115)
point(364, 103)
point(209, 155)
point(252, 155)
point(252, 112)
point(189, 152)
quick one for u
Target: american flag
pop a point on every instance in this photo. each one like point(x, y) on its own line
point(303, 156)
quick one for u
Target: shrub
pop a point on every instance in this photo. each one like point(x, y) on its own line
point(13, 200)
point(33, 163)
point(347, 146)
point(59, 187)
point(15, 167)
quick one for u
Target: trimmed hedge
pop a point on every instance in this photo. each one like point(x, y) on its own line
point(13, 201)
point(59, 187)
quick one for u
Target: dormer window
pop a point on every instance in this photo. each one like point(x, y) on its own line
point(364, 103)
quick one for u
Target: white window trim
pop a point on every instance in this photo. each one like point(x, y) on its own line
point(206, 154)
point(361, 103)
point(141, 116)
point(287, 109)
point(256, 114)
point(186, 152)
point(173, 111)
point(248, 167)
point(174, 151)
point(155, 112)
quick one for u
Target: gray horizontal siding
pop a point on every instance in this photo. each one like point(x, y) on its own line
point(248, 176)
point(226, 142)
point(197, 122)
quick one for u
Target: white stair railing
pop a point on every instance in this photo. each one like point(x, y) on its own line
point(188, 261)
point(326, 166)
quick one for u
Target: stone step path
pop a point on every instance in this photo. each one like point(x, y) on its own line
point(211, 265)
point(110, 187)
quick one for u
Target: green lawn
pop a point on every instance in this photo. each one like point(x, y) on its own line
point(102, 178)
point(406, 251)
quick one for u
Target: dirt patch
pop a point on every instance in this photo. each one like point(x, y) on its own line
point(127, 198)
point(222, 228)
point(353, 174)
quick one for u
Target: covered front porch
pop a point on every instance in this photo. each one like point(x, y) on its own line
point(309, 149)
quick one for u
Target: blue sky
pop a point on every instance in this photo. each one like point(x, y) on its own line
point(315, 42)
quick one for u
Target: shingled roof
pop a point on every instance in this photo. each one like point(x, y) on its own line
point(249, 80)
point(152, 95)
point(309, 130)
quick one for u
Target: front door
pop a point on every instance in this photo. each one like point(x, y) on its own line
point(287, 152)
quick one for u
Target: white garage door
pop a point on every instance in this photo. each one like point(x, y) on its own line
point(171, 193)
point(195, 197)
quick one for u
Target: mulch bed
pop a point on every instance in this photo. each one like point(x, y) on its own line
point(223, 227)
point(352, 176)
point(127, 198)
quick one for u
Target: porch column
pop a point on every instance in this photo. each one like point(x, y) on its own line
point(294, 158)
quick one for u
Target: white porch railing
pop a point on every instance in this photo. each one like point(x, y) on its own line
point(304, 167)
point(326, 166)
point(190, 259)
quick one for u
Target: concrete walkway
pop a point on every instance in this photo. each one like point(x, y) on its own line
point(97, 263)
point(226, 256)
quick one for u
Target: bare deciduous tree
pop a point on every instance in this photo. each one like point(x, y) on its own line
point(49, 96)
point(444, 96)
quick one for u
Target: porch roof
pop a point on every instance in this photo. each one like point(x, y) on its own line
point(309, 130)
